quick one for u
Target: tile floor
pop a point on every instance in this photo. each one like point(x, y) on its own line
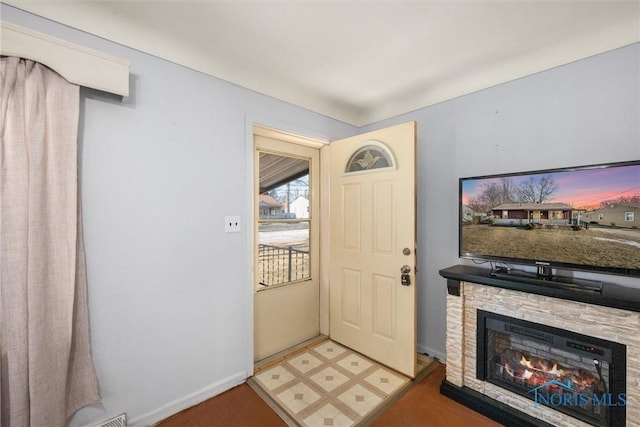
point(329, 385)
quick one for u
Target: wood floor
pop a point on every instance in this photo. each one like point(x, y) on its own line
point(423, 405)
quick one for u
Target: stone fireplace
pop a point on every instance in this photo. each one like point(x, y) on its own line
point(533, 355)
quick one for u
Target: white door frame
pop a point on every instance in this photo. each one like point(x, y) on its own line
point(322, 142)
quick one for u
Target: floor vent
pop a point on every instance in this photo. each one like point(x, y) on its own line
point(119, 421)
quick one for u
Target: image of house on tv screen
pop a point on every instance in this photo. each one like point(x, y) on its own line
point(582, 217)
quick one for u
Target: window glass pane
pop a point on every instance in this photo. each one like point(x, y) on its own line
point(283, 252)
point(283, 222)
point(287, 201)
point(367, 158)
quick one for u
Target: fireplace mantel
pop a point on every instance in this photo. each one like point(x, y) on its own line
point(612, 295)
point(613, 314)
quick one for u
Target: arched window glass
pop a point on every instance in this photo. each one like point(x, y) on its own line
point(369, 157)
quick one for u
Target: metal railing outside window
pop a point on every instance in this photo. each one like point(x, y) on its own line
point(282, 264)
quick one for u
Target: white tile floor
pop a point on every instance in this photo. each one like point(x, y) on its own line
point(329, 385)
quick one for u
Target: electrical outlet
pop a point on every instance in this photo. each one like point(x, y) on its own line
point(231, 224)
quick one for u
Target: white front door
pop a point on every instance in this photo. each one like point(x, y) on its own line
point(373, 240)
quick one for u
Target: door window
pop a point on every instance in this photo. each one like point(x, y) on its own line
point(284, 220)
point(373, 155)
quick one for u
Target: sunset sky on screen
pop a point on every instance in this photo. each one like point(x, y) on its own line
point(579, 188)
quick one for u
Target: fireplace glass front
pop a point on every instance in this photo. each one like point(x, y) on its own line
point(583, 377)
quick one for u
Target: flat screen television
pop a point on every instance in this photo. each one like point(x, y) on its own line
point(583, 218)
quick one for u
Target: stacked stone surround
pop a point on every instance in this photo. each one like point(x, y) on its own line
point(602, 322)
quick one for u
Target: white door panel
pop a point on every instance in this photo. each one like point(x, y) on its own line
point(372, 219)
point(285, 316)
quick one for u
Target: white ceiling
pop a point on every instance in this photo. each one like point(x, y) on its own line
point(358, 61)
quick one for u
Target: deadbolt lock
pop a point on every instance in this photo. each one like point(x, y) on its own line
point(405, 277)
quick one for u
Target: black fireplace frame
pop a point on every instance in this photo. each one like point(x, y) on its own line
point(617, 365)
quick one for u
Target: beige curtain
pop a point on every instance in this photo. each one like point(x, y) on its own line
point(46, 369)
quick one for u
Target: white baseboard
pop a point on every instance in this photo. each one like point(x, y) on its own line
point(432, 353)
point(157, 415)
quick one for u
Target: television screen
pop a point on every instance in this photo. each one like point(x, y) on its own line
point(585, 218)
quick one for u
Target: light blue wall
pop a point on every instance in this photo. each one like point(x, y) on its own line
point(169, 292)
point(584, 113)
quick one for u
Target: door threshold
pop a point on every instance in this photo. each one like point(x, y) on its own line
point(287, 353)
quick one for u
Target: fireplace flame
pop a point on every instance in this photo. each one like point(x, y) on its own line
point(525, 375)
point(542, 365)
point(555, 371)
point(525, 362)
point(536, 370)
